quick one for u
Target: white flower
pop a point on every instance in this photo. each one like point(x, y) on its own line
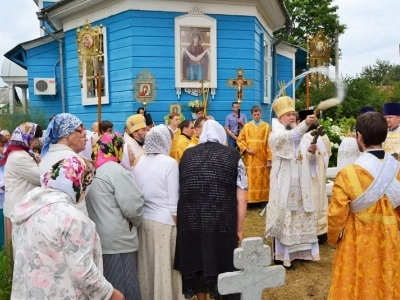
point(331, 144)
point(341, 137)
point(335, 145)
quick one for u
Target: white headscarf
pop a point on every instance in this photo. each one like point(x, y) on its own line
point(213, 132)
point(158, 140)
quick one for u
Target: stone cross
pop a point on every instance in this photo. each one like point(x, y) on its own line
point(252, 259)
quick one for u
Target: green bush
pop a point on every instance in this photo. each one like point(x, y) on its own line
point(6, 272)
point(35, 115)
point(336, 131)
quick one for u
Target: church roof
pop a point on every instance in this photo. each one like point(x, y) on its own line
point(274, 10)
point(11, 69)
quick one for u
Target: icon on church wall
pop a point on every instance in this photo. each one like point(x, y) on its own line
point(145, 89)
point(175, 108)
point(195, 54)
point(87, 41)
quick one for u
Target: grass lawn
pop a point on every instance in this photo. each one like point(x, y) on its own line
point(308, 280)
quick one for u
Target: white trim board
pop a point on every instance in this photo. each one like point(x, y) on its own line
point(106, 9)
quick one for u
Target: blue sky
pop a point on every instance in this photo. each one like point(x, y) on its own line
point(373, 31)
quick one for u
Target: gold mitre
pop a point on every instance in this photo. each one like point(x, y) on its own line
point(282, 105)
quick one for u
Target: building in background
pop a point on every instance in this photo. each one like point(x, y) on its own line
point(179, 42)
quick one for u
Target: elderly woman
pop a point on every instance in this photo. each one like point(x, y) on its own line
point(65, 136)
point(157, 176)
point(21, 170)
point(211, 210)
point(56, 247)
point(115, 205)
point(6, 134)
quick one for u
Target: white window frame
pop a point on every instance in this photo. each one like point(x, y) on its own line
point(104, 99)
point(267, 75)
point(196, 18)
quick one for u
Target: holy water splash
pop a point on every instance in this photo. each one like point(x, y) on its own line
point(340, 86)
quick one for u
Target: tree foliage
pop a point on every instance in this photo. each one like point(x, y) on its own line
point(310, 16)
point(382, 73)
point(359, 92)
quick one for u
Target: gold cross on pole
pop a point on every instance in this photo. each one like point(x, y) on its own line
point(239, 83)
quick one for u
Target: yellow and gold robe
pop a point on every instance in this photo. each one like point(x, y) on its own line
point(182, 144)
point(194, 142)
point(255, 137)
point(392, 142)
point(174, 142)
point(367, 260)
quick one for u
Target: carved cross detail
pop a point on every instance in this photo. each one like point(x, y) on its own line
point(252, 259)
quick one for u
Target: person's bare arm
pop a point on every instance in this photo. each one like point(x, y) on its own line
point(241, 196)
point(230, 133)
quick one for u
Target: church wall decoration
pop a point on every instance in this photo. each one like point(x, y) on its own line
point(145, 87)
point(91, 48)
point(319, 53)
point(239, 83)
point(195, 53)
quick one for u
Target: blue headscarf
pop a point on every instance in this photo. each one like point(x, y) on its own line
point(61, 126)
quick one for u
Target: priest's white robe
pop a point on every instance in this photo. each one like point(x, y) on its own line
point(320, 160)
point(290, 219)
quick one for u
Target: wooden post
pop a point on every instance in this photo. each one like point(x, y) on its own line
point(98, 81)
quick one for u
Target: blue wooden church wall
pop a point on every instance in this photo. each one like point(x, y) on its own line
point(145, 39)
point(43, 62)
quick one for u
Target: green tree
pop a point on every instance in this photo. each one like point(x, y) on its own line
point(310, 16)
point(382, 73)
point(359, 92)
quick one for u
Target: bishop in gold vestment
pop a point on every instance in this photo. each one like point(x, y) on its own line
point(254, 136)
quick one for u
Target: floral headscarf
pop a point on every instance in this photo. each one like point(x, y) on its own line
point(71, 175)
point(21, 138)
point(61, 126)
point(108, 148)
point(158, 140)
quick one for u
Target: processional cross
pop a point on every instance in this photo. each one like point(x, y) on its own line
point(239, 83)
point(253, 259)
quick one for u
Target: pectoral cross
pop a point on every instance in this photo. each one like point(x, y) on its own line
point(239, 83)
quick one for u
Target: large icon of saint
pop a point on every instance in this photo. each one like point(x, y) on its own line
point(195, 59)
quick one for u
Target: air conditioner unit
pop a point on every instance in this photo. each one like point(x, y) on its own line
point(45, 86)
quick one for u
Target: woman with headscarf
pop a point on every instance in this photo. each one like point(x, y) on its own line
point(65, 136)
point(211, 211)
point(21, 170)
point(115, 204)
point(56, 248)
point(157, 175)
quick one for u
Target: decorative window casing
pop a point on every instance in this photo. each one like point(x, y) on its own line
point(267, 71)
point(92, 54)
point(195, 52)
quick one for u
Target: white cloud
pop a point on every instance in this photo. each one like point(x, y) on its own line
point(18, 24)
point(372, 33)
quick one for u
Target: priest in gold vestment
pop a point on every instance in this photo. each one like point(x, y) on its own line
point(253, 144)
point(391, 111)
point(364, 218)
point(187, 130)
point(173, 120)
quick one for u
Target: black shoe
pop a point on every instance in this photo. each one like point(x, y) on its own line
point(322, 238)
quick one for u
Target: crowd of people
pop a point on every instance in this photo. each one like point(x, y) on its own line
point(157, 212)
